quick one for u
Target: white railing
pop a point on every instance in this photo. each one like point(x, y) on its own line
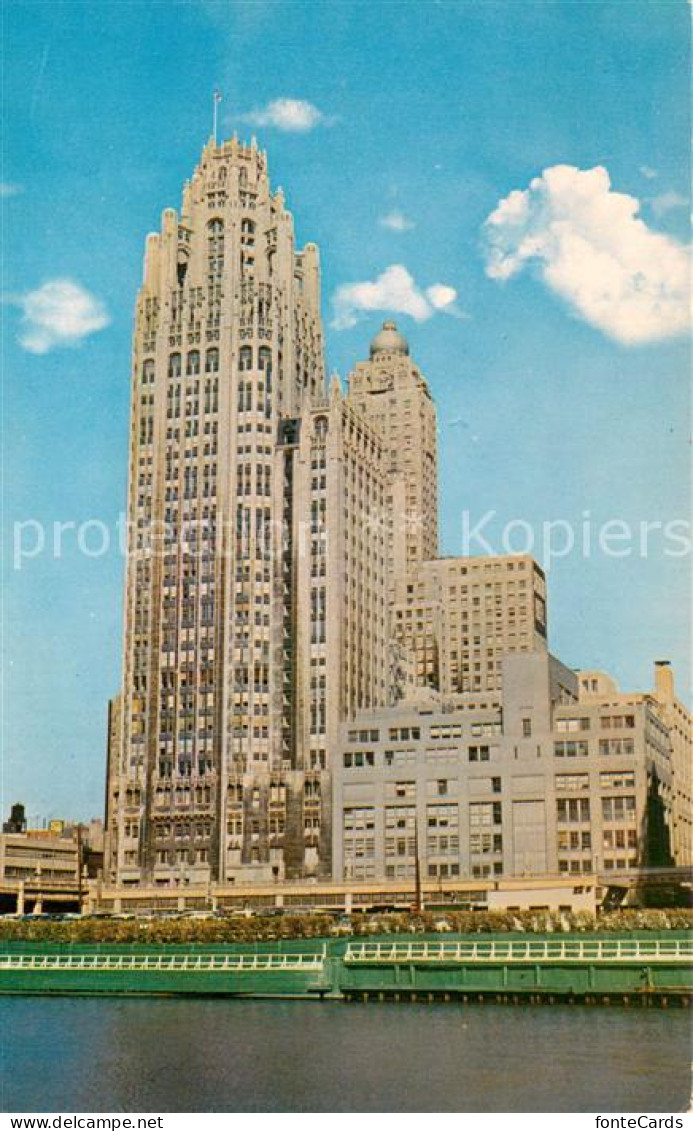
point(679, 950)
point(233, 963)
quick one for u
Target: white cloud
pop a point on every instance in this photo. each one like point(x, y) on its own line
point(589, 245)
point(8, 189)
point(394, 290)
point(440, 296)
point(291, 114)
point(649, 172)
point(58, 313)
point(667, 202)
point(397, 222)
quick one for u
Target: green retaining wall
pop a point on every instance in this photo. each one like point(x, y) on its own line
point(358, 968)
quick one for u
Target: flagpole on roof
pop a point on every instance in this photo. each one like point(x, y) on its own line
point(217, 97)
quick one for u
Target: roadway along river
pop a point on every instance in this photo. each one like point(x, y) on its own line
point(162, 1055)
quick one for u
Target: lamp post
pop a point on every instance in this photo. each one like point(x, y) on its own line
point(79, 869)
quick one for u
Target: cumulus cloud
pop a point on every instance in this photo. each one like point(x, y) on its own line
point(440, 296)
point(667, 202)
point(397, 222)
point(588, 244)
point(8, 189)
point(58, 313)
point(649, 172)
point(394, 290)
point(294, 115)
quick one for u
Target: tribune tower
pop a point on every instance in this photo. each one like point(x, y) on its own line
point(203, 779)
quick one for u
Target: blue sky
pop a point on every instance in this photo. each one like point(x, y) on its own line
point(559, 369)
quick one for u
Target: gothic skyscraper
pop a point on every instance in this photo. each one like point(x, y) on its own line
point(391, 393)
point(203, 777)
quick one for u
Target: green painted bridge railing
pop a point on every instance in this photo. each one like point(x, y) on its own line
point(648, 967)
point(236, 963)
point(677, 950)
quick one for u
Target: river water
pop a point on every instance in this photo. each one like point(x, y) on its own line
point(177, 1055)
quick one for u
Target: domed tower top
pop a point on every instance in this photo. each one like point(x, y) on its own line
point(389, 340)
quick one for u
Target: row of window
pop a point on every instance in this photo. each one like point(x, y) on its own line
point(193, 363)
point(607, 722)
point(359, 759)
point(579, 748)
point(566, 748)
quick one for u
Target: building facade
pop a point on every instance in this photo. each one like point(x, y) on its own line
point(670, 723)
point(227, 344)
point(307, 688)
point(457, 617)
point(391, 394)
point(548, 783)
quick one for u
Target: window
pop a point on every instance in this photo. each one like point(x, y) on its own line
point(174, 366)
point(442, 830)
point(619, 779)
point(579, 840)
point(359, 843)
point(479, 753)
point(571, 725)
point(212, 361)
point(617, 722)
point(359, 759)
point(245, 358)
point(620, 838)
point(572, 811)
point(404, 734)
point(405, 789)
point(400, 831)
point(572, 782)
point(570, 749)
point(482, 813)
point(193, 365)
point(609, 746)
point(484, 844)
point(526, 728)
point(618, 808)
point(478, 730)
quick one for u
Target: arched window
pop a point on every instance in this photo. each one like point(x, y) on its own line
point(215, 227)
point(174, 365)
point(212, 361)
point(265, 359)
point(245, 358)
point(148, 371)
point(248, 226)
point(320, 427)
point(193, 366)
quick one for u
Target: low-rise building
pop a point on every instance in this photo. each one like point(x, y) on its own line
point(669, 724)
point(38, 855)
point(545, 783)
